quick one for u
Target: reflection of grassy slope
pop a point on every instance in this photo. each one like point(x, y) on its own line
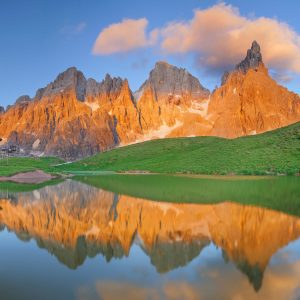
point(273, 152)
point(279, 193)
point(21, 164)
point(13, 187)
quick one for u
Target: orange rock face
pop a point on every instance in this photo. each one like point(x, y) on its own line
point(73, 117)
point(58, 123)
point(251, 103)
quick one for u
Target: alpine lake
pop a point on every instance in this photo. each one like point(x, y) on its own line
point(116, 236)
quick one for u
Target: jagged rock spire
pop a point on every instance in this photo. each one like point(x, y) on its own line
point(252, 60)
point(73, 79)
point(109, 85)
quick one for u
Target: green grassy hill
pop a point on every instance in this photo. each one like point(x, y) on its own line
point(16, 165)
point(274, 152)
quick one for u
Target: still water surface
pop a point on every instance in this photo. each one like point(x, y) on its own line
point(76, 241)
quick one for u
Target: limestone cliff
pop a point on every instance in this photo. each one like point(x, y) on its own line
point(72, 117)
point(250, 101)
point(172, 102)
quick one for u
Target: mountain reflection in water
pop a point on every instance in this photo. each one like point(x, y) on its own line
point(74, 221)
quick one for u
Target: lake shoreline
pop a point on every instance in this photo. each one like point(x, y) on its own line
point(39, 176)
point(32, 177)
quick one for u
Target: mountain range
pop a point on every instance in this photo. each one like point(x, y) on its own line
point(73, 117)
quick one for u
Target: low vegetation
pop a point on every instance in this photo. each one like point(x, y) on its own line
point(275, 152)
point(16, 165)
point(272, 153)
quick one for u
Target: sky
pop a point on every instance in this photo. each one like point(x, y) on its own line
point(40, 39)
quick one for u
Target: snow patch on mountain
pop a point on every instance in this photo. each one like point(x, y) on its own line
point(199, 108)
point(160, 133)
point(93, 105)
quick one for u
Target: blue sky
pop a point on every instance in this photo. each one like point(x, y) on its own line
point(40, 39)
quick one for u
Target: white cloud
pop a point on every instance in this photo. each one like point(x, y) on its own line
point(125, 36)
point(220, 37)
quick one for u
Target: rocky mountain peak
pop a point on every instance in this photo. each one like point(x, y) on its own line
point(39, 94)
point(252, 60)
point(107, 86)
point(2, 110)
point(163, 64)
point(166, 79)
point(23, 100)
point(163, 73)
point(107, 78)
point(111, 85)
point(71, 79)
point(92, 87)
point(171, 103)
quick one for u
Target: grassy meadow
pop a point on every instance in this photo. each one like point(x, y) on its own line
point(16, 165)
point(271, 153)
